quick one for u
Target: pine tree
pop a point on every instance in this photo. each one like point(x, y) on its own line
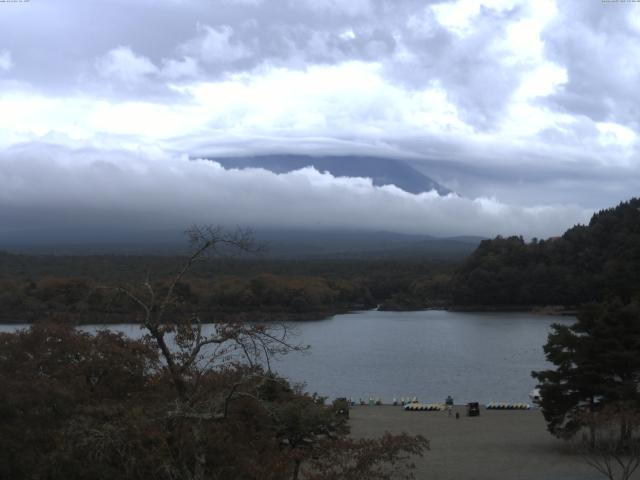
point(597, 362)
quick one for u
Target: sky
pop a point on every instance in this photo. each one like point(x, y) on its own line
point(527, 110)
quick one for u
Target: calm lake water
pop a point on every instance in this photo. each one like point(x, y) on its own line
point(428, 354)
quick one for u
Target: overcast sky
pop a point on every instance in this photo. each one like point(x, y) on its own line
point(527, 109)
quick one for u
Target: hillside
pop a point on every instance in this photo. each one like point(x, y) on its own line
point(382, 171)
point(587, 263)
point(279, 243)
point(70, 287)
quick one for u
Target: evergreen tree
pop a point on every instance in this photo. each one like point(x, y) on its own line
point(587, 263)
point(597, 362)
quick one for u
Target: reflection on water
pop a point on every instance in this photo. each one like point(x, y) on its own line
point(429, 354)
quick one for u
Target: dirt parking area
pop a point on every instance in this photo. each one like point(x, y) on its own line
point(505, 444)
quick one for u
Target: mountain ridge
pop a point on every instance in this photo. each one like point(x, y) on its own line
point(381, 170)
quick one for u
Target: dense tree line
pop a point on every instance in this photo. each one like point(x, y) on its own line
point(121, 267)
point(587, 263)
point(69, 297)
point(39, 287)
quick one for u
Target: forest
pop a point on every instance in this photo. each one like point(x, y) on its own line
point(587, 263)
point(77, 288)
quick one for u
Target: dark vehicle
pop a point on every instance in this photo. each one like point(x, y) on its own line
point(341, 407)
point(473, 409)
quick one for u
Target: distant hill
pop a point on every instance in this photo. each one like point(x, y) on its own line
point(382, 171)
point(363, 244)
point(280, 244)
point(587, 263)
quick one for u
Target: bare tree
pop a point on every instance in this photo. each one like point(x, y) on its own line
point(219, 390)
point(612, 446)
point(189, 353)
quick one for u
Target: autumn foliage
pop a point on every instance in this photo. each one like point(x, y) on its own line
point(184, 402)
point(76, 405)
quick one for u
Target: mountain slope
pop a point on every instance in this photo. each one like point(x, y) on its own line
point(382, 171)
point(588, 263)
point(362, 244)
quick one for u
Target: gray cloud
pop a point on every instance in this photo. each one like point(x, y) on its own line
point(47, 186)
point(599, 44)
point(6, 61)
point(124, 65)
point(532, 103)
point(215, 45)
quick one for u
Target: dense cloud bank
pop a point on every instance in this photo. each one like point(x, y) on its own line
point(45, 188)
point(517, 102)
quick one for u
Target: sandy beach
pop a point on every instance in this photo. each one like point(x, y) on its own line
point(506, 444)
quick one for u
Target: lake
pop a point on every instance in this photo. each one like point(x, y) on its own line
point(428, 354)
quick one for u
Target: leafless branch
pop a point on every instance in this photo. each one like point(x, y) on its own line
point(613, 448)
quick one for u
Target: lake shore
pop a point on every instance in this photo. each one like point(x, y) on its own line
point(266, 316)
point(116, 318)
point(509, 444)
point(553, 310)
